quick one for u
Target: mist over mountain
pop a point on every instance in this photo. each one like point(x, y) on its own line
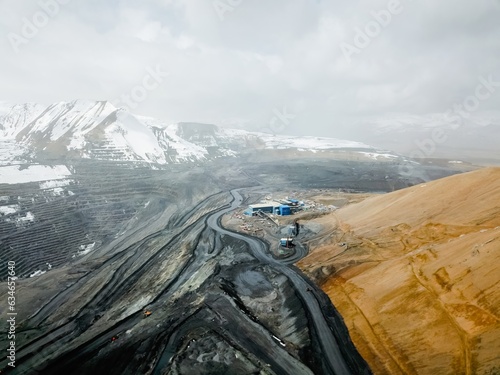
point(473, 139)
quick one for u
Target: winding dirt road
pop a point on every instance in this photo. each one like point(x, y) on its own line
point(329, 343)
point(187, 273)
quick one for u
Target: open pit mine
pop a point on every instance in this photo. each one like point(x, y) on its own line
point(126, 250)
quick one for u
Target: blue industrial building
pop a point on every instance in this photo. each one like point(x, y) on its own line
point(269, 207)
point(284, 210)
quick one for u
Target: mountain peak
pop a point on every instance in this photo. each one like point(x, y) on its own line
point(97, 129)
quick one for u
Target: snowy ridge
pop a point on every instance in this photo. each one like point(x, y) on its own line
point(15, 117)
point(98, 130)
point(75, 119)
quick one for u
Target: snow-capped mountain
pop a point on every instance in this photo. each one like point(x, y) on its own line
point(98, 130)
point(13, 118)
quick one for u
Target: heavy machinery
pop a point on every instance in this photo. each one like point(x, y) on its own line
point(287, 242)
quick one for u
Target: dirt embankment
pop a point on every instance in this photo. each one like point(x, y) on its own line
point(416, 275)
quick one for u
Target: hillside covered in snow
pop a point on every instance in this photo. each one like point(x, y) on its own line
point(98, 130)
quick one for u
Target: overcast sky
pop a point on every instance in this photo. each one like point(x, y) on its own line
point(299, 66)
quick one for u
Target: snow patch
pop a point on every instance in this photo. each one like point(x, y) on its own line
point(37, 273)
point(55, 183)
point(10, 209)
point(184, 150)
point(85, 249)
point(29, 217)
point(58, 191)
point(309, 143)
point(12, 152)
point(130, 134)
point(14, 174)
point(376, 155)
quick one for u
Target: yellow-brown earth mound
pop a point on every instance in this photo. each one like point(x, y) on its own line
point(416, 275)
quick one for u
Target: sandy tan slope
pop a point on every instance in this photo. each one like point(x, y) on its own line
point(416, 275)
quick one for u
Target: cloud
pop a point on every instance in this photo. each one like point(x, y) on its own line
point(259, 57)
